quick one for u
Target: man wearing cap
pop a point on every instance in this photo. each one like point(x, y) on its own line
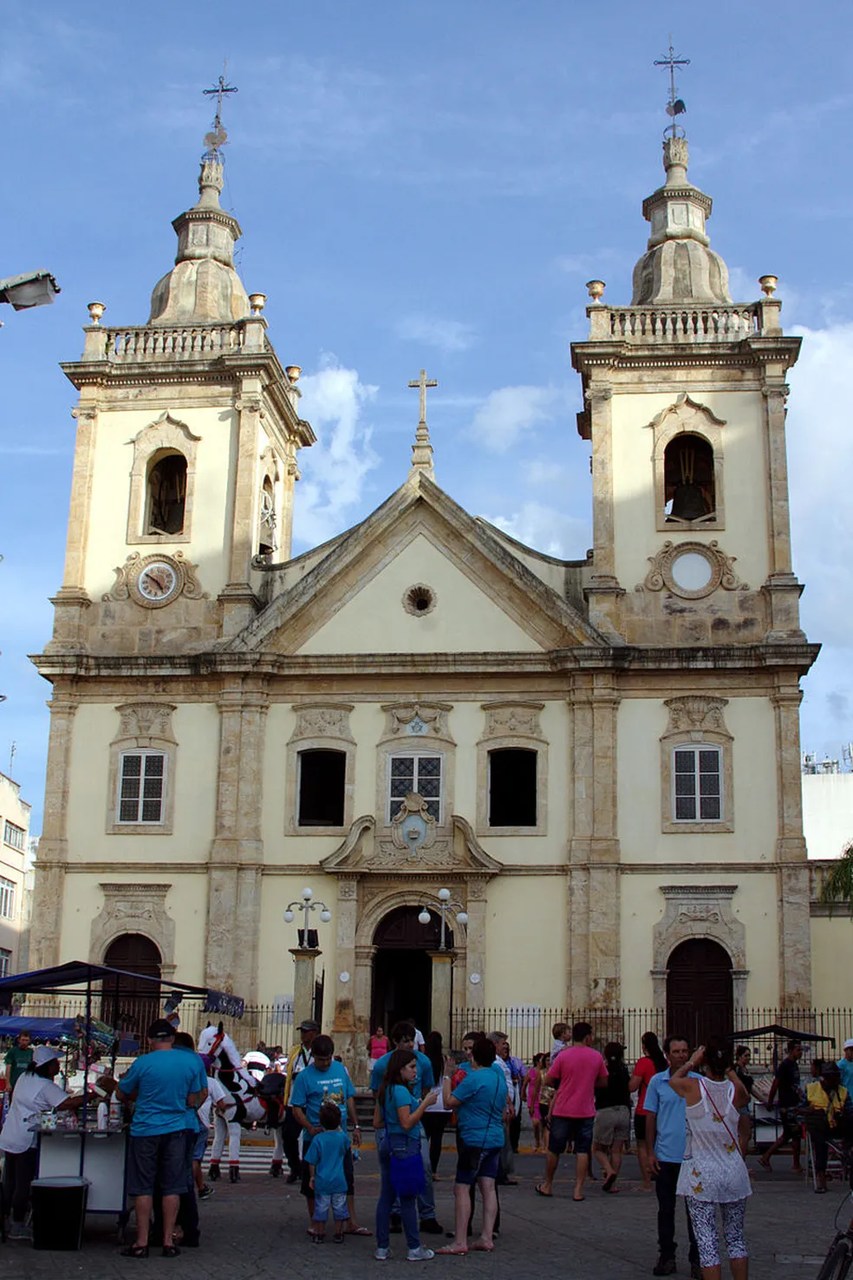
point(845, 1067)
point(35, 1092)
point(166, 1087)
point(297, 1060)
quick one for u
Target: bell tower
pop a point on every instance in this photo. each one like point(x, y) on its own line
point(188, 430)
point(684, 403)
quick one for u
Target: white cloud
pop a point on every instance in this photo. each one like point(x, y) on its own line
point(333, 469)
point(505, 415)
point(546, 529)
point(444, 335)
point(544, 471)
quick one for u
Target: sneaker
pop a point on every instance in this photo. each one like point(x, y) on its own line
point(420, 1254)
point(664, 1267)
point(19, 1231)
point(382, 1255)
point(206, 1192)
point(431, 1227)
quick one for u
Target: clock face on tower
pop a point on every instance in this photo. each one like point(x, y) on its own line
point(157, 582)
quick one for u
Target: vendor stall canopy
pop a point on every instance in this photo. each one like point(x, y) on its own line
point(81, 974)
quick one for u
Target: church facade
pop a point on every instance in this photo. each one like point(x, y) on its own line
point(597, 759)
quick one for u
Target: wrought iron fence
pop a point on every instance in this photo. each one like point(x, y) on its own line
point(528, 1026)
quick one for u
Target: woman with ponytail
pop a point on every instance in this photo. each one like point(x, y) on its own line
point(652, 1062)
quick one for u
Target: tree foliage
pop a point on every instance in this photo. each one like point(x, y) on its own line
point(838, 881)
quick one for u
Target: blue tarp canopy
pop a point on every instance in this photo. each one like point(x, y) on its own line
point(57, 1029)
point(79, 973)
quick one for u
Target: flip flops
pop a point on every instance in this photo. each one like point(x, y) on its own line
point(548, 1195)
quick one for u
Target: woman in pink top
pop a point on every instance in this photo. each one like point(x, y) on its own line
point(649, 1065)
point(377, 1045)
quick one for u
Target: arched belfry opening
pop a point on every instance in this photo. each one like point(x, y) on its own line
point(689, 482)
point(166, 494)
point(401, 985)
point(129, 1005)
point(699, 995)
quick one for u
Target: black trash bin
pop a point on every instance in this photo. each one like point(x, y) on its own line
point(59, 1212)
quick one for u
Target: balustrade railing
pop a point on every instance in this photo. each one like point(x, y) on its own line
point(677, 324)
point(150, 343)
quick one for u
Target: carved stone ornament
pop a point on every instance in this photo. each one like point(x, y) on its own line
point(698, 911)
point(135, 908)
point(413, 827)
point(156, 580)
point(146, 720)
point(696, 713)
point(417, 719)
point(323, 720)
point(691, 570)
point(510, 719)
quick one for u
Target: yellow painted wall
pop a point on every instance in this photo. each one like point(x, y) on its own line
point(526, 940)
point(754, 905)
point(465, 617)
point(196, 728)
point(832, 961)
point(744, 481)
point(110, 496)
point(641, 723)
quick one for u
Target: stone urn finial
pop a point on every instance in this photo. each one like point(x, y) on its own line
point(293, 371)
point(96, 310)
point(768, 285)
point(595, 289)
point(257, 301)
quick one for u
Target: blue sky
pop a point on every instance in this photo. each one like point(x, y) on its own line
point(422, 185)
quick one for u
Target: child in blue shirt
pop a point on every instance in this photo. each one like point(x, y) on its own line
point(325, 1157)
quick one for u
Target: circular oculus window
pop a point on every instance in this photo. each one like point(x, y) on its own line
point(419, 600)
point(691, 570)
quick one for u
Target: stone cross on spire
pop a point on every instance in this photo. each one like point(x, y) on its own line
point(422, 449)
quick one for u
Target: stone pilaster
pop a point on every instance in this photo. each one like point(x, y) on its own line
point(603, 592)
point(52, 856)
point(304, 962)
point(782, 589)
point(349, 1016)
point(442, 981)
point(475, 950)
point(593, 882)
point(238, 598)
point(793, 871)
point(72, 600)
point(236, 855)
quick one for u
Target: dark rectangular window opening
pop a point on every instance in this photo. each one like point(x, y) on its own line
point(512, 788)
point(322, 779)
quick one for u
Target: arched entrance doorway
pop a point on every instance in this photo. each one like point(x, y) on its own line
point(129, 1005)
point(402, 968)
point(699, 991)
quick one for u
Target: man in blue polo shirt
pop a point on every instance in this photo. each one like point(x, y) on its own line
point(666, 1137)
point(403, 1037)
point(164, 1084)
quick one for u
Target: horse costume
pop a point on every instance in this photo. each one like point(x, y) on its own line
point(253, 1103)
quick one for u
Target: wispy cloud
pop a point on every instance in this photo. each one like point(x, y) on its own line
point(433, 331)
point(546, 529)
point(510, 412)
point(335, 468)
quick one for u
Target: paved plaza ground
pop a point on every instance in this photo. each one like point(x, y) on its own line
point(255, 1230)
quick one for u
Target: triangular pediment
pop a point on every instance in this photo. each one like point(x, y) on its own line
point(419, 575)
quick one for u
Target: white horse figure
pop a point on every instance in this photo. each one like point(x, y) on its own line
point(250, 1106)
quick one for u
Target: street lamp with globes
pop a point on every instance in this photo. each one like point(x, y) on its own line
point(306, 905)
point(445, 905)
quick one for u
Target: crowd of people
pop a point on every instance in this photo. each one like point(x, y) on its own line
point(691, 1125)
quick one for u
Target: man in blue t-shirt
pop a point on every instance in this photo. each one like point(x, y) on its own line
point(666, 1138)
point(325, 1080)
point(163, 1085)
point(403, 1037)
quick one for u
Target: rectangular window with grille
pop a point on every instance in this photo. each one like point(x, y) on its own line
point(142, 787)
point(7, 898)
point(5, 962)
point(14, 835)
point(415, 773)
point(697, 784)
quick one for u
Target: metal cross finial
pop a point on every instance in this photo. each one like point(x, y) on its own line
point(422, 383)
point(218, 136)
point(675, 106)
